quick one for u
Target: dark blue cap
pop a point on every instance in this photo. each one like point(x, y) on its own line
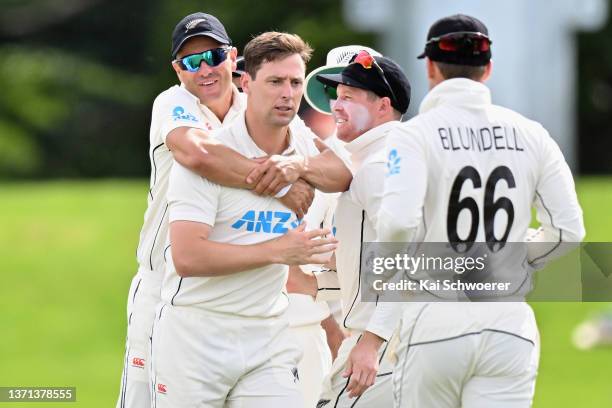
point(198, 24)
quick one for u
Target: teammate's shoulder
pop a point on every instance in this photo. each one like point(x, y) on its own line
point(516, 117)
point(413, 129)
point(420, 121)
point(530, 128)
point(174, 93)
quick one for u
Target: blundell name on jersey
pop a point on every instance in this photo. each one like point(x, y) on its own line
point(480, 139)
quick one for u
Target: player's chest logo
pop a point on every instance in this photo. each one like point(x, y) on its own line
point(274, 222)
point(138, 362)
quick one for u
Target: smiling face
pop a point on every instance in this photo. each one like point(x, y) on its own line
point(275, 93)
point(209, 84)
point(355, 112)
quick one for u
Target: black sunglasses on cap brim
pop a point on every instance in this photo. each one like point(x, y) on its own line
point(473, 42)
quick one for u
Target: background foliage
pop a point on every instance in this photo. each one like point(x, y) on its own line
point(78, 77)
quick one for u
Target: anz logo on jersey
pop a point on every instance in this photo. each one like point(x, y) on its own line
point(178, 113)
point(393, 163)
point(271, 222)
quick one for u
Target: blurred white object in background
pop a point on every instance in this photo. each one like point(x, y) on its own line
point(534, 50)
point(594, 332)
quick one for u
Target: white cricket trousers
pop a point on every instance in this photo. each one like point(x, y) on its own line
point(143, 297)
point(477, 370)
point(315, 363)
point(379, 395)
point(207, 359)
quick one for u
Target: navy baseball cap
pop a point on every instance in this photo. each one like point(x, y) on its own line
point(458, 39)
point(393, 85)
point(198, 24)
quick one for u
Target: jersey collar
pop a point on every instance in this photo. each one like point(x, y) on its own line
point(239, 130)
point(457, 91)
point(238, 105)
point(370, 141)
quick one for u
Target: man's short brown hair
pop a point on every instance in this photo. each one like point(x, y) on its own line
point(273, 46)
point(450, 71)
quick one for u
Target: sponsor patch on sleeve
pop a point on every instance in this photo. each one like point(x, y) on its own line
point(179, 113)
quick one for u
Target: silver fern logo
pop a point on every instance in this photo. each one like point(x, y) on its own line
point(193, 23)
point(393, 163)
point(345, 57)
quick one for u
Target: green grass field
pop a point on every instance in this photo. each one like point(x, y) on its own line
point(67, 253)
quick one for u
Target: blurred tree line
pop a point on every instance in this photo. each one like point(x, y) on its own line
point(594, 105)
point(78, 77)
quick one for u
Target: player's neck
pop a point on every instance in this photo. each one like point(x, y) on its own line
point(221, 106)
point(270, 139)
point(382, 120)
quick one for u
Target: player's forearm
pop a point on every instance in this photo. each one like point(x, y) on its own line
point(327, 172)
point(558, 212)
point(194, 254)
point(546, 244)
point(557, 208)
point(334, 335)
point(199, 152)
point(223, 165)
point(207, 258)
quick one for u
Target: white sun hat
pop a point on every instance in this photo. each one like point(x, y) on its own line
point(337, 59)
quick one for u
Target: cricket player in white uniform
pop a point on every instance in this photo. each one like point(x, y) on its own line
point(321, 97)
point(182, 118)
point(221, 336)
point(463, 171)
point(372, 95)
point(311, 323)
point(306, 317)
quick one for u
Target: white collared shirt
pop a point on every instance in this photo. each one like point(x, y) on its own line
point(462, 147)
point(175, 107)
point(355, 221)
point(458, 127)
point(238, 217)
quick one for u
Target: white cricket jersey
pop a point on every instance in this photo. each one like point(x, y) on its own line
point(355, 222)
point(238, 217)
point(462, 151)
point(175, 107)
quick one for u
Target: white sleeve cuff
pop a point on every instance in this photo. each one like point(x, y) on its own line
point(328, 285)
point(283, 192)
